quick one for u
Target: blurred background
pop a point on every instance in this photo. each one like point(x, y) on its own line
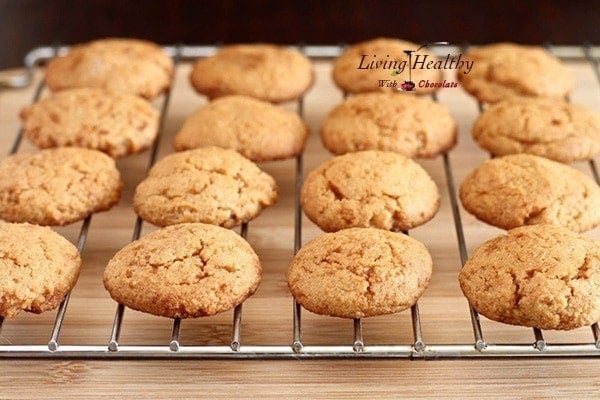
point(25, 24)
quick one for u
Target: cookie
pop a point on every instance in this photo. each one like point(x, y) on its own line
point(264, 71)
point(411, 126)
point(116, 65)
point(369, 189)
point(506, 70)
point(359, 272)
point(209, 184)
point(256, 129)
point(522, 189)
point(117, 124)
point(38, 267)
point(544, 127)
point(184, 271)
point(57, 186)
point(352, 74)
point(540, 276)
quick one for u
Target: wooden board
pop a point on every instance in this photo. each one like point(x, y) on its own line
point(267, 315)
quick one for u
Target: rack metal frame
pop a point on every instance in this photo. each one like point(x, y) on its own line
point(418, 349)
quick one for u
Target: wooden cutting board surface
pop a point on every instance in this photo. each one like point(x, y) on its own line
point(267, 315)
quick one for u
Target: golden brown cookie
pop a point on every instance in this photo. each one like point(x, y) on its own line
point(184, 271)
point(38, 267)
point(544, 127)
point(352, 74)
point(505, 70)
point(264, 71)
point(57, 186)
point(256, 129)
point(522, 189)
point(540, 276)
point(405, 124)
point(360, 272)
point(210, 184)
point(117, 124)
point(375, 189)
point(116, 65)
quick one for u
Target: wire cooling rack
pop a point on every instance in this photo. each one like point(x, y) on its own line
point(237, 349)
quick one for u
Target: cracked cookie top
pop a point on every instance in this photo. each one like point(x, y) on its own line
point(116, 124)
point(540, 276)
point(185, 271)
point(361, 66)
point(257, 129)
point(263, 71)
point(117, 65)
point(402, 123)
point(210, 184)
point(38, 267)
point(544, 127)
point(375, 189)
point(360, 272)
point(523, 189)
point(504, 70)
point(57, 186)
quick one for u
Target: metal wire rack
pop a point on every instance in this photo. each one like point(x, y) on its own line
point(237, 349)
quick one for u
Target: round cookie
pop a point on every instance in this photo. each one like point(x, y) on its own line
point(359, 272)
point(264, 71)
point(544, 127)
point(57, 186)
point(411, 126)
point(210, 184)
point(505, 70)
point(116, 65)
point(118, 124)
point(540, 276)
point(352, 79)
point(184, 271)
point(256, 129)
point(523, 189)
point(38, 267)
point(369, 189)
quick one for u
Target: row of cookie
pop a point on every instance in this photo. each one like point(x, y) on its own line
point(548, 128)
point(491, 73)
point(544, 275)
point(415, 127)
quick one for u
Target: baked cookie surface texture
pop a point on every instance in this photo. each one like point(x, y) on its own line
point(117, 124)
point(57, 186)
point(505, 70)
point(376, 189)
point(258, 130)
point(264, 71)
point(117, 65)
point(38, 267)
point(185, 271)
point(359, 272)
point(522, 189)
point(209, 184)
point(403, 123)
point(540, 276)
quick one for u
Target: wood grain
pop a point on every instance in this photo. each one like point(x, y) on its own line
point(267, 315)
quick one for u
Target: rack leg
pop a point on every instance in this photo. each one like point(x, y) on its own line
point(297, 343)
point(113, 343)
point(174, 343)
point(419, 344)
point(237, 328)
point(540, 342)
point(359, 344)
point(480, 343)
point(596, 333)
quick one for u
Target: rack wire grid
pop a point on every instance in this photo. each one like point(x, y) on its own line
point(296, 349)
